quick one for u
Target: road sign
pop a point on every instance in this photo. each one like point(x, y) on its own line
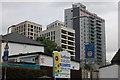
point(5, 57)
point(62, 64)
point(6, 53)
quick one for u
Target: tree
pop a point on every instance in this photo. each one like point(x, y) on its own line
point(88, 67)
point(50, 46)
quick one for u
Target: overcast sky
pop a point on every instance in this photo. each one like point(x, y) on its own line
point(47, 12)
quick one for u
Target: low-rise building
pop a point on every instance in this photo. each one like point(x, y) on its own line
point(112, 71)
point(46, 63)
point(18, 43)
point(63, 36)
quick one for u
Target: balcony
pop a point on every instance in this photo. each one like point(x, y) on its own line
point(92, 31)
point(98, 34)
point(98, 23)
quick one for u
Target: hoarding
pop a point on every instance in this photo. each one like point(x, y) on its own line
point(89, 51)
point(62, 64)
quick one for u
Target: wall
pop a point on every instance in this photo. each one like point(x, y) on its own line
point(76, 65)
point(109, 72)
point(15, 48)
point(46, 60)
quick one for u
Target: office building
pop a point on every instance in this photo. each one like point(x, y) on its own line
point(63, 36)
point(89, 29)
point(28, 28)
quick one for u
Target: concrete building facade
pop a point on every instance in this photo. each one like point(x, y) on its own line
point(28, 28)
point(63, 36)
point(89, 29)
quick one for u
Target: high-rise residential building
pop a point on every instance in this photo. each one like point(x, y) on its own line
point(89, 29)
point(28, 28)
point(63, 36)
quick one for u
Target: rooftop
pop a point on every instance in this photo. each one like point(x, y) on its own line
point(18, 38)
point(116, 58)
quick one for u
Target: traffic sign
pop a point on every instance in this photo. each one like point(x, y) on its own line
point(6, 53)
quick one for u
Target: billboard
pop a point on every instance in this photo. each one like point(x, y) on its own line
point(89, 51)
point(62, 64)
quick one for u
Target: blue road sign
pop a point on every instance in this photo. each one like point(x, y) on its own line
point(89, 51)
point(6, 53)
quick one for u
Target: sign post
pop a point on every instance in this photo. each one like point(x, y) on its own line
point(5, 57)
point(62, 64)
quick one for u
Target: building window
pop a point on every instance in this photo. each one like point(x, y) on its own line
point(56, 24)
point(51, 37)
point(24, 25)
point(70, 43)
point(31, 33)
point(71, 34)
point(71, 48)
point(31, 26)
point(70, 38)
point(39, 28)
point(64, 41)
point(28, 25)
point(64, 46)
point(32, 30)
point(51, 32)
point(34, 27)
point(63, 31)
point(54, 32)
point(63, 36)
point(54, 37)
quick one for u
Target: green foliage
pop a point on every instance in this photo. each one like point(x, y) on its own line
point(87, 67)
point(50, 46)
